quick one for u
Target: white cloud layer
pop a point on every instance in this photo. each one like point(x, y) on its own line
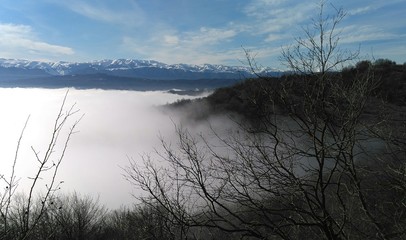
point(116, 125)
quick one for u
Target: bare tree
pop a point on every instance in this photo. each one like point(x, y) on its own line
point(73, 216)
point(19, 215)
point(310, 168)
point(141, 222)
point(319, 50)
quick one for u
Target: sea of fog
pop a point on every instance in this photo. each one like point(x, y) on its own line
point(116, 126)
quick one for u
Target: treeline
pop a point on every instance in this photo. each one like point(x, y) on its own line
point(81, 217)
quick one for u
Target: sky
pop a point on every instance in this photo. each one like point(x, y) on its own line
point(190, 31)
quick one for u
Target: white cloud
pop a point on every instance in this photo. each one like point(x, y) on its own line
point(208, 36)
point(20, 40)
point(275, 37)
point(171, 39)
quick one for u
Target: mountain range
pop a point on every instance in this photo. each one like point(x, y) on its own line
point(122, 74)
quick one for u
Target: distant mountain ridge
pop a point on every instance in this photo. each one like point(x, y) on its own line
point(149, 69)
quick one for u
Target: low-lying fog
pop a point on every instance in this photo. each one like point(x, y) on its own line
point(116, 125)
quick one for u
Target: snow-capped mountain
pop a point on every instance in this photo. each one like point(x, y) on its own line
point(148, 69)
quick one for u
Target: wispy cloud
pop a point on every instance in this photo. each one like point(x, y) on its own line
point(196, 47)
point(208, 36)
point(259, 8)
point(364, 33)
point(171, 40)
point(275, 18)
point(269, 20)
point(361, 10)
point(373, 6)
point(130, 15)
point(21, 40)
point(279, 13)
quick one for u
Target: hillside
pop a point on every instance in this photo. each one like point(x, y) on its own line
point(252, 97)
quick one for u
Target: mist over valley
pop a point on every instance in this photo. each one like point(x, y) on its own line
point(116, 125)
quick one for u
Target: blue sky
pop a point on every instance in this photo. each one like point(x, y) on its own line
point(189, 31)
